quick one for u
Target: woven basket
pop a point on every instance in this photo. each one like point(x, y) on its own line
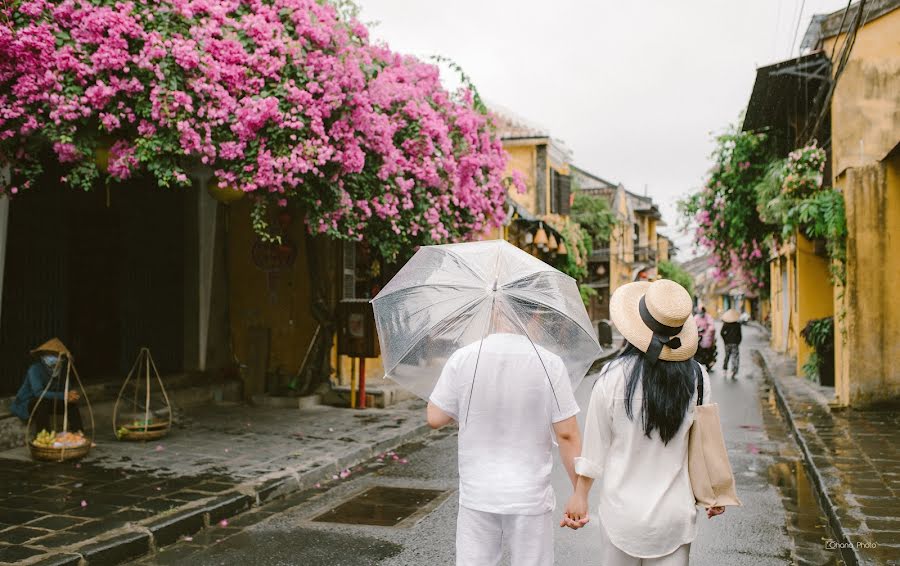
point(148, 432)
point(142, 370)
point(51, 454)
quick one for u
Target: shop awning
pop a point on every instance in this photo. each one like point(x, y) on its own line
point(784, 93)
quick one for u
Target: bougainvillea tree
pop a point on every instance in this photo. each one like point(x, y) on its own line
point(723, 213)
point(283, 99)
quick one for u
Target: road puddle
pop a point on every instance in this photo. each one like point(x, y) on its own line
point(805, 522)
point(381, 506)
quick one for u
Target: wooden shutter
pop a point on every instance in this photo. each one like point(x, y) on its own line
point(564, 191)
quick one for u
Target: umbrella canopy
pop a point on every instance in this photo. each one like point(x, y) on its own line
point(454, 296)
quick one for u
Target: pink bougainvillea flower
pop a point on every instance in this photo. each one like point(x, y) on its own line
point(284, 98)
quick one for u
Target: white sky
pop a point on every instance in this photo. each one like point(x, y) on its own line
point(635, 89)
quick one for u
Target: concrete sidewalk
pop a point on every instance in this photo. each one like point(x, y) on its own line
point(127, 498)
point(853, 459)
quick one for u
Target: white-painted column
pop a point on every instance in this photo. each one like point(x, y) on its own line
point(4, 221)
point(207, 209)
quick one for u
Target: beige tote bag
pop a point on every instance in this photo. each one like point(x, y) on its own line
point(711, 477)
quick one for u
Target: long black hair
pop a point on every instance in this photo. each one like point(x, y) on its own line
point(668, 388)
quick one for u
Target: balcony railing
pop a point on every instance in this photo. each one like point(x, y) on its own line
point(599, 255)
point(644, 253)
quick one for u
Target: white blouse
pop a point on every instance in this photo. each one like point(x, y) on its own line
point(647, 506)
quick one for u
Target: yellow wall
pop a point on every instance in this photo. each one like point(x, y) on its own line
point(662, 249)
point(815, 297)
point(621, 244)
point(523, 158)
point(864, 132)
point(865, 106)
point(868, 366)
point(287, 316)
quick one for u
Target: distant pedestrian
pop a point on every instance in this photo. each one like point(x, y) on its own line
point(731, 335)
point(636, 433)
point(706, 328)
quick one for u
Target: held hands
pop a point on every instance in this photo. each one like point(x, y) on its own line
point(73, 396)
point(714, 511)
point(576, 514)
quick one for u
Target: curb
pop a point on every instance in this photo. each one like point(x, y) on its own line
point(847, 548)
point(145, 537)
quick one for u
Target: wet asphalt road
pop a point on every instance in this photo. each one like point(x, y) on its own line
point(773, 526)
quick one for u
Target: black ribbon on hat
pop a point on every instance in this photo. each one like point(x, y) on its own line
point(662, 335)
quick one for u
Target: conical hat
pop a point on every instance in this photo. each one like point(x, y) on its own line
point(731, 315)
point(51, 346)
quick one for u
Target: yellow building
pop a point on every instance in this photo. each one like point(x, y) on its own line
point(635, 247)
point(856, 121)
point(865, 154)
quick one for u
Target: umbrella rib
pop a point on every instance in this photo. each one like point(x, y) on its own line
point(425, 331)
point(484, 335)
point(561, 313)
point(383, 295)
point(538, 354)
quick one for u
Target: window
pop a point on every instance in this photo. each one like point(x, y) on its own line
point(560, 193)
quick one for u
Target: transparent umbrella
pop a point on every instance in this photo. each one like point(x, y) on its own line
point(454, 296)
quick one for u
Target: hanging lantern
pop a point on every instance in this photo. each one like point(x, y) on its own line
point(529, 238)
point(551, 242)
point(540, 238)
point(562, 249)
point(226, 195)
point(150, 414)
point(63, 443)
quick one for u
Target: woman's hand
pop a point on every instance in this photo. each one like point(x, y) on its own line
point(73, 396)
point(713, 511)
point(576, 514)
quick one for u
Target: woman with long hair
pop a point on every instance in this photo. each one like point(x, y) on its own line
point(636, 432)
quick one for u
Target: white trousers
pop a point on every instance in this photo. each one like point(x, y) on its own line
point(480, 537)
point(610, 555)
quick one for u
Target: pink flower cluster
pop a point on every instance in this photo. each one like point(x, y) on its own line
point(279, 97)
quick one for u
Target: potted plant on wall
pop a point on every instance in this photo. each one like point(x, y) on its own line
point(819, 334)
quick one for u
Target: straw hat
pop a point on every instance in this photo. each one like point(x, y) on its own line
point(51, 346)
point(731, 315)
point(656, 318)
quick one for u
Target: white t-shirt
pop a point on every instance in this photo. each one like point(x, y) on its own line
point(505, 433)
point(646, 502)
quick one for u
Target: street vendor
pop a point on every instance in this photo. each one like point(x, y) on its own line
point(47, 369)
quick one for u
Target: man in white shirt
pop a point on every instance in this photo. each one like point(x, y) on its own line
point(508, 411)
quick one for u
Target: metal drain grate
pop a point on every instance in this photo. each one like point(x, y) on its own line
point(381, 506)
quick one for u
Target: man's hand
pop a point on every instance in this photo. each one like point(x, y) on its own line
point(576, 514)
point(714, 511)
point(73, 396)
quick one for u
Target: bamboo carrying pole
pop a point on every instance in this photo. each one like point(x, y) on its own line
point(352, 383)
point(362, 383)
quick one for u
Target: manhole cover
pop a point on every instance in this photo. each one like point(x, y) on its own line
point(380, 505)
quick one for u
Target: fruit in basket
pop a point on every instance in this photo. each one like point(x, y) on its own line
point(46, 439)
point(122, 432)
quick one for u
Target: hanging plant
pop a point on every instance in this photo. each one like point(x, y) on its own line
point(793, 196)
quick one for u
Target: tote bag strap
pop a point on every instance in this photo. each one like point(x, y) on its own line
point(699, 373)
